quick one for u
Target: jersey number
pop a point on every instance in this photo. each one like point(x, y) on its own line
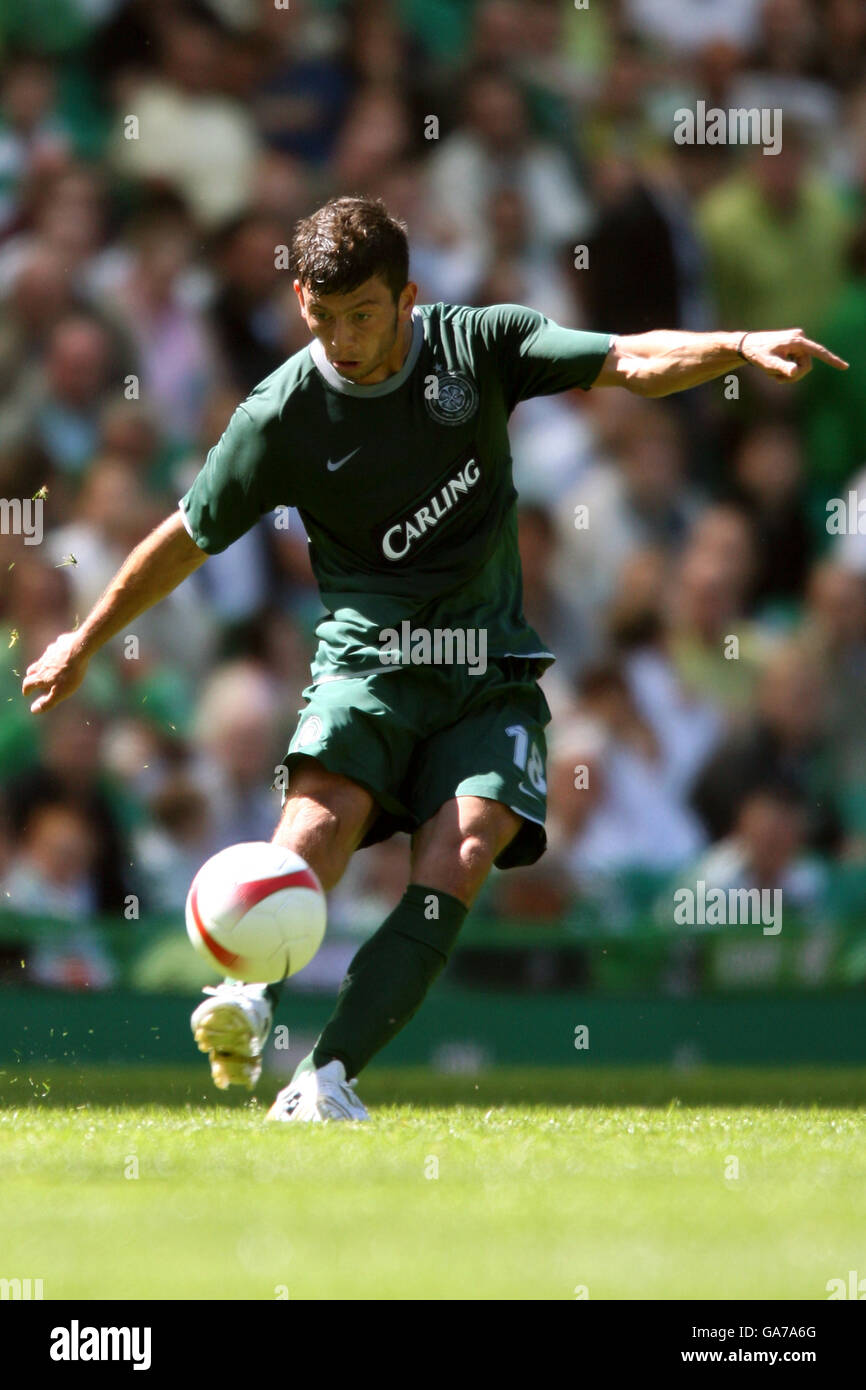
point(533, 764)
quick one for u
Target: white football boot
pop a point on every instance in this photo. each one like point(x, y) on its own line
point(232, 1027)
point(317, 1096)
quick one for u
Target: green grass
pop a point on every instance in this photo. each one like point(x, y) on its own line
point(612, 1179)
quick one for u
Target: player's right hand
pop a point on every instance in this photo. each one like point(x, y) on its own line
point(58, 672)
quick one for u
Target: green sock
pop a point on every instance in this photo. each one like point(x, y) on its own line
point(389, 978)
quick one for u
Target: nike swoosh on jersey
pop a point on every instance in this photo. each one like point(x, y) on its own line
point(332, 467)
point(529, 791)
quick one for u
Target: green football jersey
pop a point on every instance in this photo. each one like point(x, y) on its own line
point(404, 487)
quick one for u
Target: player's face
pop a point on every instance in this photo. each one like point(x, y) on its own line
point(365, 335)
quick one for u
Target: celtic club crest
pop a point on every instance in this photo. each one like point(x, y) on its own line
point(455, 400)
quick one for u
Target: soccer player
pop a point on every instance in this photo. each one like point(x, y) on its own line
point(389, 434)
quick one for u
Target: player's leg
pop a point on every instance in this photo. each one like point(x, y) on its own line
point(349, 737)
point(390, 975)
point(477, 790)
point(455, 849)
point(324, 817)
point(452, 854)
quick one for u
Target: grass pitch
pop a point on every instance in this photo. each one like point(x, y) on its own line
point(513, 1185)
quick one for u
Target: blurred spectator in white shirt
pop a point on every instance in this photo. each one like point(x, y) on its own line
point(112, 514)
point(766, 851)
point(635, 494)
point(633, 813)
point(239, 742)
point(685, 26)
point(189, 134)
point(178, 362)
point(495, 147)
point(172, 846)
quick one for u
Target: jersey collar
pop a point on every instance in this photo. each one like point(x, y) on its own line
point(381, 388)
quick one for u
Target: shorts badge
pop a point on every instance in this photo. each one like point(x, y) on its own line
point(309, 731)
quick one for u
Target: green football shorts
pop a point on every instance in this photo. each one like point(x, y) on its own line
point(415, 736)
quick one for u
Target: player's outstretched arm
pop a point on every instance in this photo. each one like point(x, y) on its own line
point(155, 567)
point(665, 361)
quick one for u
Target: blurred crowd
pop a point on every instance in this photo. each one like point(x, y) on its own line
point(710, 630)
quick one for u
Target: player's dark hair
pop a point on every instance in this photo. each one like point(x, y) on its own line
point(348, 241)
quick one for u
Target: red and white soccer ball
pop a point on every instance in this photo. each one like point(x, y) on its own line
point(256, 912)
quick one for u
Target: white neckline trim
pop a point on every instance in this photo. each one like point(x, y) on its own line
point(380, 388)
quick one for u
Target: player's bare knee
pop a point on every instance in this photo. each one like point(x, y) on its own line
point(323, 821)
point(457, 864)
point(307, 820)
point(476, 853)
point(486, 835)
point(475, 865)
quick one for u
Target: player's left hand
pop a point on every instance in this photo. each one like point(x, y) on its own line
point(787, 354)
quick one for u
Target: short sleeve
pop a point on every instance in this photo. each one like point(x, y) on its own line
point(232, 489)
point(537, 357)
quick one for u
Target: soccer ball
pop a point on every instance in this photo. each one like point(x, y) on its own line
point(256, 912)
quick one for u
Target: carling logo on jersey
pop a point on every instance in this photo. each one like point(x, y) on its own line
point(400, 537)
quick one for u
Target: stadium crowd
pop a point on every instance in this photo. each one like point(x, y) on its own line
point(710, 627)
